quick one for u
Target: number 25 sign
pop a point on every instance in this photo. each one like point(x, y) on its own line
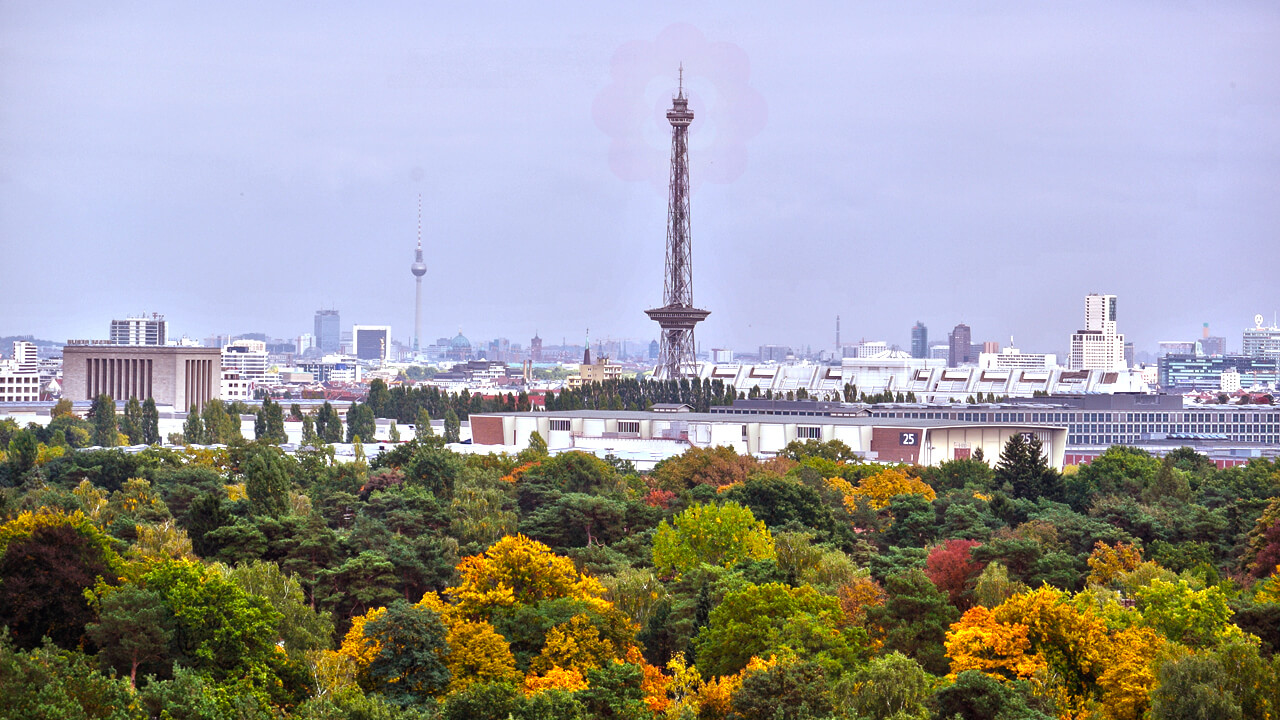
point(909, 438)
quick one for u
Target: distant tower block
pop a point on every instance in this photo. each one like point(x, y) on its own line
point(418, 268)
point(677, 355)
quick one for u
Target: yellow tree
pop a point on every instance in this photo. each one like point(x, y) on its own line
point(477, 654)
point(879, 489)
point(519, 571)
point(1108, 563)
point(713, 534)
point(980, 642)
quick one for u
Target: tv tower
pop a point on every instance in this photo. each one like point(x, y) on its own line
point(418, 268)
point(677, 352)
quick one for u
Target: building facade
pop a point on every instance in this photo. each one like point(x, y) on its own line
point(20, 374)
point(1097, 346)
point(665, 434)
point(246, 358)
point(143, 330)
point(960, 347)
point(1193, 372)
point(372, 342)
point(1261, 342)
point(328, 331)
point(919, 340)
point(174, 376)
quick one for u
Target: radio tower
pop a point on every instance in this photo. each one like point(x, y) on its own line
point(418, 268)
point(676, 354)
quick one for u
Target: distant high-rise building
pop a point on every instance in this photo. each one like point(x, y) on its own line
point(1214, 345)
point(961, 346)
point(535, 348)
point(1098, 346)
point(372, 342)
point(328, 331)
point(919, 340)
point(1259, 341)
point(142, 330)
point(653, 349)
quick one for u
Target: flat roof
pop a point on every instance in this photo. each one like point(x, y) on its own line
point(738, 418)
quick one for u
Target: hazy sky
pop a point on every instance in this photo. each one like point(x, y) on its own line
point(238, 165)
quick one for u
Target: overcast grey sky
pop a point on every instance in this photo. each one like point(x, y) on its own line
point(238, 165)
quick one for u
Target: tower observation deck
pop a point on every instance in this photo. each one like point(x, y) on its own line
point(677, 354)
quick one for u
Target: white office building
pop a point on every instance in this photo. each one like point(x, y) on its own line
point(141, 330)
point(20, 374)
point(246, 358)
point(1098, 346)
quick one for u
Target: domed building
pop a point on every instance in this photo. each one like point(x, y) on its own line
point(459, 348)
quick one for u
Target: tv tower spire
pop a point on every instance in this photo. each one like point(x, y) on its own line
point(677, 355)
point(418, 268)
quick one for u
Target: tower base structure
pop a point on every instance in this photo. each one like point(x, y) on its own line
point(677, 353)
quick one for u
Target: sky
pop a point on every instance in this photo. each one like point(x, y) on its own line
point(237, 166)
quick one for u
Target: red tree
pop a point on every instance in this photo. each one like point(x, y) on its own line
point(953, 570)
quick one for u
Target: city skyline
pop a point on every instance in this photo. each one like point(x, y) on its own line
point(986, 166)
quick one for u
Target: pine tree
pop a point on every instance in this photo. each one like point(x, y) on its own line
point(193, 429)
point(103, 413)
point(131, 421)
point(452, 427)
point(150, 422)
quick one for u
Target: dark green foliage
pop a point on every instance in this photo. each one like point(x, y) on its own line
point(134, 627)
point(328, 424)
point(43, 578)
point(614, 693)
point(915, 618)
point(786, 691)
point(784, 503)
point(131, 421)
point(504, 701)
point(1194, 688)
point(268, 426)
point(977, 696)
point(408, 667)
point(48, 683)
point(103, 417)
point(23, 451)
point(452, 427)
point(1023, 468)
point(361, 423)
point(150, 422)
point(266, 473)
point(193, 429)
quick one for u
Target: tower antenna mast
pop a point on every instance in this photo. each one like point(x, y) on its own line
point(677, 355)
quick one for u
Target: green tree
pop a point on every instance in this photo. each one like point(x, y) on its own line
point(1024, 467)
point(47, 562)
point(915, 618)
point(219, 628)
point(134, 626)
point(1194, 686)
point(714, 534)
point(976, 695)
point(103, 415)
point(409, 666)
point(193, 428)
point(310, 438)
point(328, 424)
point(23, 451)
point(361, 423)
point(150, 422)
point(393, 432)
point(760, 620)
point(452, 427)
point(131, 421)
point(890, 687)
point(220, 426)
point(300, 628)
point(48, 682)
point(422, 428)
point(267, 484)
point(786, 691)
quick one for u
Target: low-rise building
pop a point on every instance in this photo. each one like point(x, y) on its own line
point(170, 375)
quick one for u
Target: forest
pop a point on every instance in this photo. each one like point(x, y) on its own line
point(244, 582)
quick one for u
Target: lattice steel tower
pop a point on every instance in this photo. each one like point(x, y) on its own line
point(677, 354)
